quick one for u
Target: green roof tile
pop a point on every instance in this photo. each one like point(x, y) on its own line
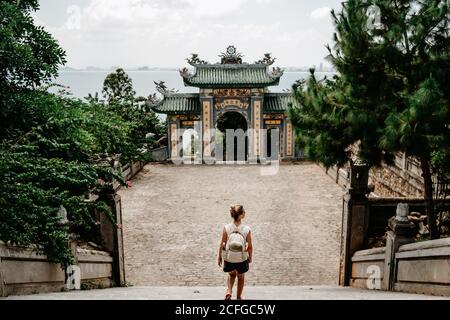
point(179, 104)
point(236, 75)
point(278, 102)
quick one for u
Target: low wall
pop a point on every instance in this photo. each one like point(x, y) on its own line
point(23, 271)
point(131, 169)
point(368, 268)
point(422, 267)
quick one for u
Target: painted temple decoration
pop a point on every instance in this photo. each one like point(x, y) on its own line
point(229, 87)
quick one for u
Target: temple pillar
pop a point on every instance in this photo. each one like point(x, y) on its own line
point(257, 125)
point(207, 129)
point(174, 143)
point(289, 147)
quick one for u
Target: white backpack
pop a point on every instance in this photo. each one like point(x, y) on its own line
point(234, 251)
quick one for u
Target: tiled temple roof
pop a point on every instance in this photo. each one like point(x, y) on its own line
point(190, 103)
point(179, 104)
point(278, 102)
point(231, 75)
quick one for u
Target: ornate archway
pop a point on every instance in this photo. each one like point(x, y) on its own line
point(231, 129)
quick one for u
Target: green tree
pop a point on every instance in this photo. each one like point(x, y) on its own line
point(47, 142)
point(118, 87)
point(322, 128)
point(392, 91)
point(121, 99)
point(29, 57)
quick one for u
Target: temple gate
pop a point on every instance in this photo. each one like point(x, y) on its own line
point(226, 89)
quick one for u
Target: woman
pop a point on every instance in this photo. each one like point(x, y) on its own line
point(235, 263)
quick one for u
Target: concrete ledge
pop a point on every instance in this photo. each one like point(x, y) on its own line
point(420, 288)
point(94, 256)
point(431, 244)
point(424, 253)
point(368, 252)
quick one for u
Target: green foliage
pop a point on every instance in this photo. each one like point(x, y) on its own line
point(392, 91)
point(321, 121)
point(121, 100)
point(118, 87)
point(49, 143)
point(29, 56)
point(32, 191)
point(421, 127)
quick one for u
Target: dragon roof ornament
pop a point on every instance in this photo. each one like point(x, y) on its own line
point(195, 60)
point(162, 88)
point(267, 60)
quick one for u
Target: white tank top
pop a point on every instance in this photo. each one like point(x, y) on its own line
point(243, 229)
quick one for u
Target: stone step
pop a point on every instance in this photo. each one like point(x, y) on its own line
point(218, 293)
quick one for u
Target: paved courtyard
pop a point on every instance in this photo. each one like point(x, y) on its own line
point(173, 217)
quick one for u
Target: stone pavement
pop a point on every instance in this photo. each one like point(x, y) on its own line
point(217, 293)
point(173, 217)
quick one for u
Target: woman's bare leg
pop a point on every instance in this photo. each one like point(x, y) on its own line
point(240, 285)
point(230, 282)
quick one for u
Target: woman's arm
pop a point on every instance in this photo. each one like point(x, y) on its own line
point(223, 241)
point(249, 246)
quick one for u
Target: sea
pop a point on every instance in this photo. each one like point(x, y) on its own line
point(82, 83)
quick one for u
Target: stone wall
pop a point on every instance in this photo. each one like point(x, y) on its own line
point(422, 267)
point(403, 179)
point(23, 271)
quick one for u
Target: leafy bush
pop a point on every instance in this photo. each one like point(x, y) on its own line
point(48, 142)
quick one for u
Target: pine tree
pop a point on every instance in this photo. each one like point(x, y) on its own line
point(392, 88)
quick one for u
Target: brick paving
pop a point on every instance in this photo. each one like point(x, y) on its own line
point(173, 217)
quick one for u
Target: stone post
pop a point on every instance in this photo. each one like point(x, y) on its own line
point(402, 232)
point(112, 236)
point(355, 219)
point(67, 278)
point(3, 292)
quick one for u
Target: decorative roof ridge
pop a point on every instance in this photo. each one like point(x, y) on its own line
point(182, 95)
point(276, 72)
point(231, 66)
point(278, 94)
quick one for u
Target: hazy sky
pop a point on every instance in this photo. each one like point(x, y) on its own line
point(164, 32)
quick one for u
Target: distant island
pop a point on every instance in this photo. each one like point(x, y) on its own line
point(99, 69)
point(321, 68)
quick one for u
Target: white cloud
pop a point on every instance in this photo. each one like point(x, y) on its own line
point(165, 32)
point(214, 8)
point(320, 13)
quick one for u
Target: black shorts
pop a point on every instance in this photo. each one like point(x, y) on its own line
point(241, 267)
